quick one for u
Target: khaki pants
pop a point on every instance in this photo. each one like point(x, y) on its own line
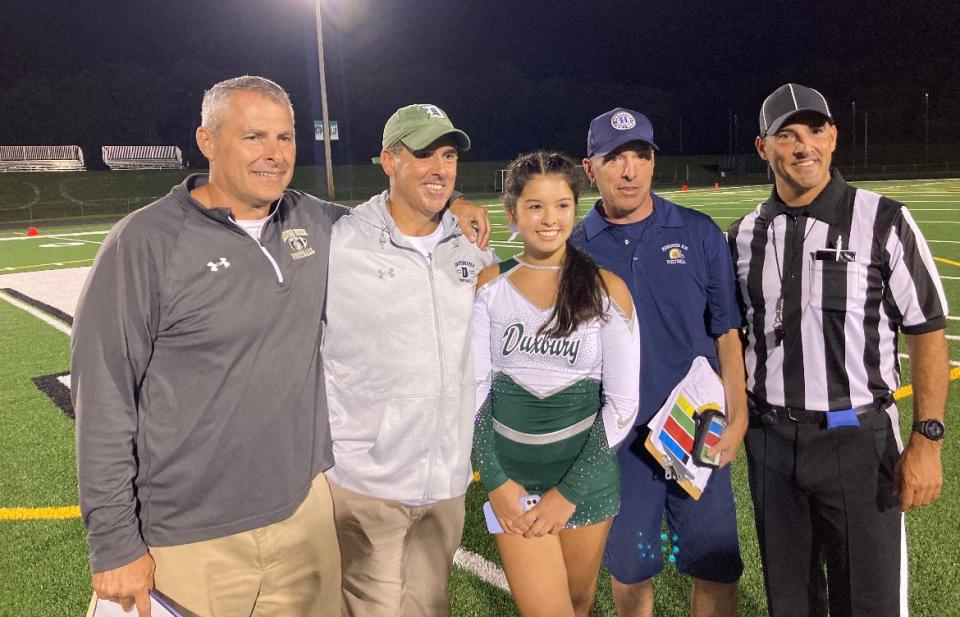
point(396, 558)
point(289, 568)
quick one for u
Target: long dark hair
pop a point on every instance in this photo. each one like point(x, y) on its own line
point(582, 290)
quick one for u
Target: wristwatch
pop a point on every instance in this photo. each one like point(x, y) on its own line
point(931, 429)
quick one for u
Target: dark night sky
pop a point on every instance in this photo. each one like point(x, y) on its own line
point(516, 74)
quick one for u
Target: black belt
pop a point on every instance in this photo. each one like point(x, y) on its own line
point(765, 414)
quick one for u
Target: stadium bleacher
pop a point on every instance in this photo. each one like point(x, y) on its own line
point(41, 158)
point(142, 157)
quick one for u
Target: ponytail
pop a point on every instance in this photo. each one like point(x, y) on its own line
point(580, 296)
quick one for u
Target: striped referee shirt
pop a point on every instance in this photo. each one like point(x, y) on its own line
point(849, 271)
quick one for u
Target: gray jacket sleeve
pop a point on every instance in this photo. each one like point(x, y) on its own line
point(115, 324)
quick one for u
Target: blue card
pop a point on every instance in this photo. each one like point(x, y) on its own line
point(842, 417)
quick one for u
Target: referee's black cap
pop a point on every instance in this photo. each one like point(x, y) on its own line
point(787, 101)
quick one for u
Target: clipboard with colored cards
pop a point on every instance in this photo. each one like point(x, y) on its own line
point(687, 425)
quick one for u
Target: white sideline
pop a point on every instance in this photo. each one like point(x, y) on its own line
point(486, 571)
point(56, 323)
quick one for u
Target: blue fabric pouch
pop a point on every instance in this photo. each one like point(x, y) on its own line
point(842, 417)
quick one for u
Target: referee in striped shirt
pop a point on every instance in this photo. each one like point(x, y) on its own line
point(828, 276)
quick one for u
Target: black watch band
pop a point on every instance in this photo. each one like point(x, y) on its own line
point(931, 429)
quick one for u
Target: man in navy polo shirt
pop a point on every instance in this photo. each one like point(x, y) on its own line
point(676, 262)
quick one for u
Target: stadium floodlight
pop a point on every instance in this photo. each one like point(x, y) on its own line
point(325, 113)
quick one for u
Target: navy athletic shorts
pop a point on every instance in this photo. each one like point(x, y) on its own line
point(702, 535)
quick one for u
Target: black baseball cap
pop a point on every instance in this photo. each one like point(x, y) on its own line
point(618, 126)
point(787, 101)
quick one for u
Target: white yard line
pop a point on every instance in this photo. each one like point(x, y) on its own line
point(944, 241)
point(485, 570)
point(950, 278)
point(97, 242)
point(58, 236)
point(56, 323)
point(904, 356)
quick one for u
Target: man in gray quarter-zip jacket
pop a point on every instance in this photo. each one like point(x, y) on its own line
point(399, 372)
point(202, 430)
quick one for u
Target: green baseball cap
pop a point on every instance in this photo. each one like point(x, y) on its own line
point(419, 125)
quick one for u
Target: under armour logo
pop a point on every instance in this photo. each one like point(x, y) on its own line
point(214, 266)
point(385, 273)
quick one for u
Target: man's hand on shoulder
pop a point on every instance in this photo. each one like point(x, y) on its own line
point(473, 221)
point(918, 475)
point(128, 585)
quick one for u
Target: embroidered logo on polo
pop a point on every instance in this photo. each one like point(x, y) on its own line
point(466, 271)
point(386, 273)
point(514, 339)
point(676, 253)
point(296, 239)
point(216, 266)
point(623, 121)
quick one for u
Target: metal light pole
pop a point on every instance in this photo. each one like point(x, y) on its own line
point(926, 127)
point(736, 136)
point(681, 134)
point(854, 130)
point(865, 118)
point(325, 114)
point(730, 122)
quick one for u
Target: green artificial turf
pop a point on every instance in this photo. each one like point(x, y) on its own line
point(43, 567)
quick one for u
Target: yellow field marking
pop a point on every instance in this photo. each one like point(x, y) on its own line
point(907, 390)
point(39, 514)
point(947, 261)
point(55, 263)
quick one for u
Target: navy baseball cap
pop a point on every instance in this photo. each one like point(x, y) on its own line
point(618, 126)
point(787, 101)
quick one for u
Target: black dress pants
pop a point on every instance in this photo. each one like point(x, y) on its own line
point(827, 520)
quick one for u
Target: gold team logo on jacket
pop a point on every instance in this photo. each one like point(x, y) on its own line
point(296, 239)
point(676, 253)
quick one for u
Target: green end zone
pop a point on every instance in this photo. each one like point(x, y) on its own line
point(43, 568)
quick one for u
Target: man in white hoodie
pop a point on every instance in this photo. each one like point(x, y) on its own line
point(400, 376)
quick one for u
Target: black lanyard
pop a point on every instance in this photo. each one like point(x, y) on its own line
point(778, 330)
